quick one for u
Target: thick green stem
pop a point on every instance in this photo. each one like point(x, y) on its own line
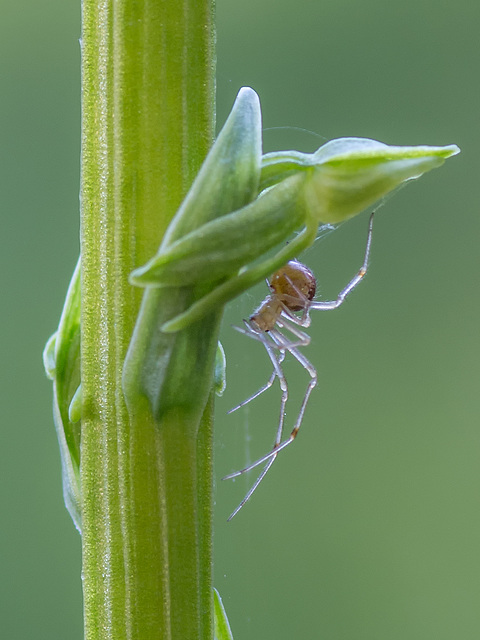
point(147, 123)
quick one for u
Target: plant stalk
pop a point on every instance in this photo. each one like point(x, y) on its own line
point(147, 124)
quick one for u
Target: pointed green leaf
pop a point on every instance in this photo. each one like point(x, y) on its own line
point(348, 175)
point(222, 629)
point(221, 247)
point(231, 171)
point(233, 164)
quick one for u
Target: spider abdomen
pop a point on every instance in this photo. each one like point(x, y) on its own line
point(294, 285)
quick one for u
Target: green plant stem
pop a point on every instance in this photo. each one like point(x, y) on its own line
point(147, 123)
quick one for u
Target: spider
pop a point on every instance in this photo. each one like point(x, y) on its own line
point(292, 289)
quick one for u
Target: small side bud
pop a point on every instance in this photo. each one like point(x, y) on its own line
point(220, 377)
point(75, 407)
point(49, 356)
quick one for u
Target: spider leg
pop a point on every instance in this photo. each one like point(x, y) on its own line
point(253, 333)
point(276, 360)
point(252, 489)
point(266, 386)
point(334, 304)
point(304, 320)
point(271, 457)
point(303, 339)
point(249, 332)
point(278, 446)
point(306, 364)
point(283, 385)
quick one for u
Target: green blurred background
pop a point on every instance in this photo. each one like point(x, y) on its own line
point(368, 527)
